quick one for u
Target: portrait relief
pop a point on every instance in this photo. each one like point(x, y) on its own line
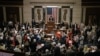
point(38, 14)
point(89, 19)
point(65, 15)
point(11, 16)
point(92, 19)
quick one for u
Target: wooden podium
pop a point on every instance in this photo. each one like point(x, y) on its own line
point(50, 26)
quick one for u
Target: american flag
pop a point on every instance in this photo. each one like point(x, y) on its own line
point(52, 12)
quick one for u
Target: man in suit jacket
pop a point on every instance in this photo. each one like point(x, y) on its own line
point(57, 51)
point(51, 19)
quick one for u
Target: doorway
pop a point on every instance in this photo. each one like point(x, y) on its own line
point(92, 16)
point(12, 14)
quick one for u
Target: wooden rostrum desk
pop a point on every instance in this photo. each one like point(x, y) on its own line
point(11, 53)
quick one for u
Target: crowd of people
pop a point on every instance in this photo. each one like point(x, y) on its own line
point(75, 40)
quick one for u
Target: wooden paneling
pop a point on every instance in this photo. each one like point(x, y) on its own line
point(1, 17)
point(90, 2)
point(1, 14)
point(12, 14)
point(11, 2)
point(93, 16)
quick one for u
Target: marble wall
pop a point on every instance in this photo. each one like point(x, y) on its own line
point(74, 4)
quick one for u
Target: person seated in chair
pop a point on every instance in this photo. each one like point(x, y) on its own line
point(51, 19)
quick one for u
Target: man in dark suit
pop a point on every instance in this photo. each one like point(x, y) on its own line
point(33, 23)
point(57, 51)
point(51, 19)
